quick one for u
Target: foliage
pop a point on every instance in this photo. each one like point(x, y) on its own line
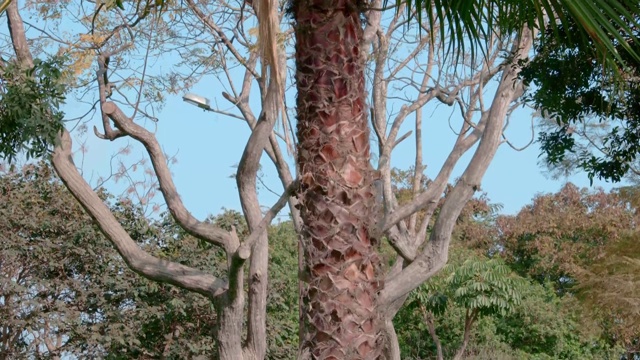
point(171, 321)
point(560, 233)
point(56, 302)
point(600, 26)
point(610, 288)
point(575, 252)
point(30, 100)
point(50, 292)
point(99, 308)
point(546, 326)
point(584, 245)
point(470, 285)
point(541, 325)
point(282, 300)
point(595, 120)
point(484, 286)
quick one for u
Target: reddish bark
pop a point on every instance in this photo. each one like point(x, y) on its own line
point(336, 182)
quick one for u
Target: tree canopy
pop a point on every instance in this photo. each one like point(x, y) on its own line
point(591, 119)
point(486, 304)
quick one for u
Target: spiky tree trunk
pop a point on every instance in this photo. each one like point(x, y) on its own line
point(336, 198)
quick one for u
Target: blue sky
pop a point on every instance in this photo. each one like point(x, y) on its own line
point(208, 145)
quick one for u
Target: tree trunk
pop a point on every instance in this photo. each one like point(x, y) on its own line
point(228, 332)
point(336, 195)
point(469, 320)
point(428, 318)
point(392, 345)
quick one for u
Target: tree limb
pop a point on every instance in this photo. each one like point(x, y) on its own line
point(435, 254)
point(137, 259)
point(193, 226)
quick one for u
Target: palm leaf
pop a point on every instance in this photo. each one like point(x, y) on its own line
point(605, 23)
point(4, 5)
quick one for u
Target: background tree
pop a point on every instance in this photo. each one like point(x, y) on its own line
point(479, 286)
point(589, 119)
point(548, 323)
point(335, 179)
point(105, 310)
point(583, 244)
point(56, 303)
point(559, 233)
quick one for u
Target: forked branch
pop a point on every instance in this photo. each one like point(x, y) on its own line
point(137, 259)
point(199, 229)
point(435, 252)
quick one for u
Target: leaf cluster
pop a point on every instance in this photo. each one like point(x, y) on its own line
point(600, 25)
point(482, 285)
point(30, 100)
point(569, 88)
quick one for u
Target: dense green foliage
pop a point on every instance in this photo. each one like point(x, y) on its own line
point(64, 288)
point(65, 291)
point(30, 100)
point(522, 318)
point(583, 101)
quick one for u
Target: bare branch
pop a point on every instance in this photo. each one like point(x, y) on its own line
point(104, 89)
point(137, 259)
point(199, 229)
point(520, 148)
point(435, 253)
point(18, 38)
point(401, 138)
point(244, 251)
point(431, 195)
point(225, 40)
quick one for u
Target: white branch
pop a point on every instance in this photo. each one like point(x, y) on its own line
point(435, 254)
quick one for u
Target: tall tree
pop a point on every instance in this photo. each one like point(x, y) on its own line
point(334, 211)
point(336, 197)
point(336, 192)
point(583, 244)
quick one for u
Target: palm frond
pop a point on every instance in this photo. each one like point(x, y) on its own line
point(4, 5)
point(606, 24)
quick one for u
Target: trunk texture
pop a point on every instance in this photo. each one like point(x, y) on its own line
point(432, 331)
point(228, 330)
point(336, 194)
point(469, 320)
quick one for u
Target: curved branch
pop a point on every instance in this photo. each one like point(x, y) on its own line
point(17, 33)
point(435, 254)
point(137, 259)
point(257, 247)
point(193, 226)
point(244, 251)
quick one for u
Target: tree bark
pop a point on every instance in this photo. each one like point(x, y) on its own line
point(228, 332)
point(469, 320)
point(428, 318)
point(336, 194)
point(392, 347)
